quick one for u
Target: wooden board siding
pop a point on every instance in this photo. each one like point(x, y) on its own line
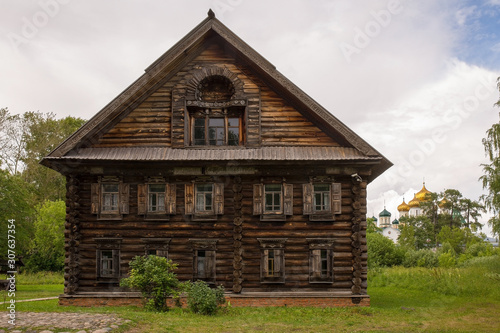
point(282, 125)
point(159, 119)
point(297, 228)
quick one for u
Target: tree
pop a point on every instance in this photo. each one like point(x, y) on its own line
point(44, 134)
point(491, 177)
point(417, 232)
point(12, 135)
point(372, 226)
point(155, 278)
point(47, 247)
point(15, 204)
point(472, 211)
point(382, 251)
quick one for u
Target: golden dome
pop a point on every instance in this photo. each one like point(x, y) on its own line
point(403, 207)
point(414, 203)
point(421, 195)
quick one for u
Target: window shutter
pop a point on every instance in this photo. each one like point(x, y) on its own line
point(189, 198)
point(316, 263)
point(257, 199)
point(265, 257)
point(170, 198)
point(95, 194)
point(278, 262)
point(219, 198)
point(210, 264)
point(330, 263)
point(288, 199)
point(337, 198)
point(307, 190)
point(116, 263)
point(124, 198)
point(142, 199)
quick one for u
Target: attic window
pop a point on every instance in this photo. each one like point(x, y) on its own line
point(215, 88)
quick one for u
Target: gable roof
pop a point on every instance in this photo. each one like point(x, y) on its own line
point(165, 67)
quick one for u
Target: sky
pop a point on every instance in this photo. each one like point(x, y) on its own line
point(416, 79)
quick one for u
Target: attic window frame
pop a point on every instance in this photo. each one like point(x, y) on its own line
point(212, 113)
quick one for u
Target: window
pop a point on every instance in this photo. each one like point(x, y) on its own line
point(322, 200)
point(204, 194)
point(108, 259)
point(110, 194)
point(272, 260)
point(156, 200)
point(204, 259)
point(216, 127)
point(272, 195)
point(216, 117)
point(204, 200)
point(320, 260)
point(107, 266)
point(273, 202)
point(109, 198)
point(156, 246)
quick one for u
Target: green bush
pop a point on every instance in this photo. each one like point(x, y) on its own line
point(421, 258)
point(204, 300)
point(154, 277)
point(447, 260)
point(382, 251)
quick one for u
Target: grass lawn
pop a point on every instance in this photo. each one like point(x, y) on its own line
point(391, 311)
point(402, 300)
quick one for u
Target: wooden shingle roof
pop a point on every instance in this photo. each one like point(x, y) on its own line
point(77, 145)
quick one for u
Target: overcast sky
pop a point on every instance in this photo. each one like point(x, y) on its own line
point(416, 79)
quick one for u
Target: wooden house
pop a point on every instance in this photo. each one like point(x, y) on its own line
point(217, 161)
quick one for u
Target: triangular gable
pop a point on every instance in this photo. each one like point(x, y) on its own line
point(180, 54)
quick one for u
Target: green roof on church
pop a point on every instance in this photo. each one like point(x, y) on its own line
point(384, 213)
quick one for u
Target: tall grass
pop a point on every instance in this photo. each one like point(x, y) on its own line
point(476, 277)
point(40, 278)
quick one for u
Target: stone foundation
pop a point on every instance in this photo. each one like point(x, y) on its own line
point(236, 300)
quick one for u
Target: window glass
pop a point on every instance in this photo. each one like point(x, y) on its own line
point(204, 197)
point(215, 129)
point(321, 197)
point(216, 135)
point(270, 263)
point(201, 258)
point(156, 198)
point(233, 131)
point(272, 193)
point(324, 263)
point(110, 197)
point(199, 131)
point(107, 262)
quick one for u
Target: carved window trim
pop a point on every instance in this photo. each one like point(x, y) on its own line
point(144, 203)
point(335, 204)
point(274, 247)
point(204, 259)
point(320, 255)
point(160, 246)
point(108, 252)
point(191, 195)
point(98, 198)
point(259, 202)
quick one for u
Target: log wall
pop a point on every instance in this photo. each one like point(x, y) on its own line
point(238, 253)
